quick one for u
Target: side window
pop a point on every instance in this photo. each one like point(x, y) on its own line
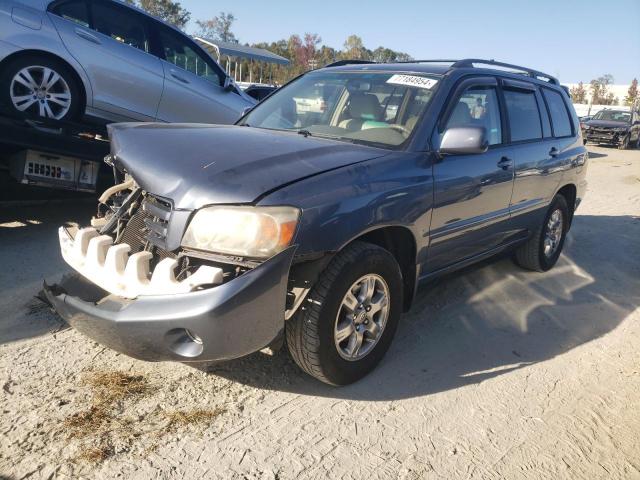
point(75, 11)
point(559, 115)
point(524, 117)
point(178, 51)
point(478, 107)
point(120, 24)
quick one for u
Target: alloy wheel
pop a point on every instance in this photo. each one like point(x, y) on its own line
point(362, 317)
point(40, 90)
point(553, 233)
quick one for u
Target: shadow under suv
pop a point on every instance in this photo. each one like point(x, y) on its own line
point(65, 58)
point(316, 229)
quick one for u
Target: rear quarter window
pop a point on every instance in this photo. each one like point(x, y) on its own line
point(559, 115)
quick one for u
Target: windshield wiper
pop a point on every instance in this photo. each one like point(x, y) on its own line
point(304, 132)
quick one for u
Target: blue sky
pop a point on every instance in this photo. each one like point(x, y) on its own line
point(576, 40)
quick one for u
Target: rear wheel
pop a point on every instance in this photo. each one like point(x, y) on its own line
point(350, 317)
point(542, 250)
point(40, 87)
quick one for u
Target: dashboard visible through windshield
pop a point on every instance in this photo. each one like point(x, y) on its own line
point(377, 108)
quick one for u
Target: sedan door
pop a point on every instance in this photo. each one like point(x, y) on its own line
point(194, 89)
point(113, 48)
point(472, 191)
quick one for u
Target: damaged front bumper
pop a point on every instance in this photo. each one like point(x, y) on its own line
point(227, 321)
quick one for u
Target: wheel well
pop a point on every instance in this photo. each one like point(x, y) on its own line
point(569, 192)
point(400, 243)
point(42, 53)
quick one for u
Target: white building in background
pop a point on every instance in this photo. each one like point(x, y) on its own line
point(619, 92)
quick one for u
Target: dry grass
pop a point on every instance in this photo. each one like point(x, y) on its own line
point(182, 418)
point(95, 454)
point(103, 424)
point(111, 387)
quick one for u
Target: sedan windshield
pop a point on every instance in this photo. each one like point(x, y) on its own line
point(377, 108)
point(613, 115)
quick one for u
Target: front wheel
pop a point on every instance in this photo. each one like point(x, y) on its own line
point(625, 143)
point(542, 250)
point(346, 325)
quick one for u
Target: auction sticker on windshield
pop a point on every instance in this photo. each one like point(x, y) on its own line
point(412, 81)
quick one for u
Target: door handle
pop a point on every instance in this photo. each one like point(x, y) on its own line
point(554, 152)
point(87, 36)
point(177, 76)
point(505, 163)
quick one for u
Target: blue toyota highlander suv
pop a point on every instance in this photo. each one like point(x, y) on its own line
point(313, 220)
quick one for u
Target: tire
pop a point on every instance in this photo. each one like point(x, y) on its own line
point(532, 254)
point(28, 95)
point(310, 333)
point(625, 143)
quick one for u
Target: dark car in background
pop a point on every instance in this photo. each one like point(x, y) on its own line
point(613, 127)
point(313, 220)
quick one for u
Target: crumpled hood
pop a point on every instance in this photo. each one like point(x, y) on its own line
point(198, 164)
point(606, 124)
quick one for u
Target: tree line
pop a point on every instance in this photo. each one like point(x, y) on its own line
point(305, 51)
point(600, 93)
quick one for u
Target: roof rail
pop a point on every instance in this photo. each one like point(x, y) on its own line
point(469, 62)
point(340, 63)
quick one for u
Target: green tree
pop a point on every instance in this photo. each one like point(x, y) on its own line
point(218, 28)
point(632, 93)
point(354, 48)
point(168, 10)
point(579, 93)
point(600, 90)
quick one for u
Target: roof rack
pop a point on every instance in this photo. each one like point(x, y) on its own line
point(470, 62)
point(465, 63)
point(340, 63)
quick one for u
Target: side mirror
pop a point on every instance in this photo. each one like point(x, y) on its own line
point(464, 141)
point(228, 84)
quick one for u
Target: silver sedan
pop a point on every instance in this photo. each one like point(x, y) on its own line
point(104, 59)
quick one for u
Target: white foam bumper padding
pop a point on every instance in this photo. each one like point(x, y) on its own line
point(112, 268)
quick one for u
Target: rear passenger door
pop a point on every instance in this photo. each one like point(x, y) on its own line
point(472, 192)
point(112, 44)
point(541, 137)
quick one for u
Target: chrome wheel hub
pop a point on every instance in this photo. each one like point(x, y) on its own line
point(553, 233)
point(361, 317)
point(40, 90)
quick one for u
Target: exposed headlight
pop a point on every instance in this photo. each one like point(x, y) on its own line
point(256, 232)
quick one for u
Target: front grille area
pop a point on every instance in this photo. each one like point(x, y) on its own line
point(147, 228)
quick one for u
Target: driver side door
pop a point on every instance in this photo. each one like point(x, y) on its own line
point(472, 191)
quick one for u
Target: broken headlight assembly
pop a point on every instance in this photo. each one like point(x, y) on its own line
point(253, 232)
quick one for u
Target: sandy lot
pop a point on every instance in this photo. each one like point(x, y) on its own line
point(496, 373)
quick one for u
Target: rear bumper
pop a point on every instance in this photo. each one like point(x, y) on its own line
point(228, 321)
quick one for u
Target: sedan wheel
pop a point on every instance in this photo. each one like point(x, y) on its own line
point(42, 91)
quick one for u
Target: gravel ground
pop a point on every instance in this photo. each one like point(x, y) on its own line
point(495, 373)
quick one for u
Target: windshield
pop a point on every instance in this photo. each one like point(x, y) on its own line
point(613, 115)
point(377, 108)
